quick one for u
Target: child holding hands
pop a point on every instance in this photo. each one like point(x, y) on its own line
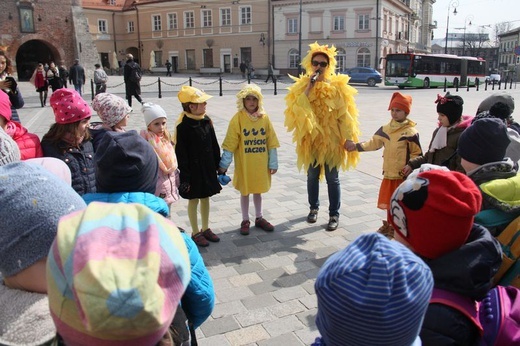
point(251, 139)
point(198, 154)
point(160, 139)
point(400, 140)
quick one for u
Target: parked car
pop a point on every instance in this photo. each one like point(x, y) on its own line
point(364, 75)
point(493, 78)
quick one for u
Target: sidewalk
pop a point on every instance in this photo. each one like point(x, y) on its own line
point(264, 281)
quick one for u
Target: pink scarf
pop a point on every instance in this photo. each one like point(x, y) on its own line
point(164, 150)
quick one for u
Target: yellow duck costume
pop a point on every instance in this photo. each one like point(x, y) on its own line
point(250, 137)
point(322, 121)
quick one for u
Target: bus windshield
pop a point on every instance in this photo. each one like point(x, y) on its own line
point(398, 66)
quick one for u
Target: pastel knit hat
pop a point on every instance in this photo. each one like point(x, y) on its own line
point(152, 111)
point(192, 95)
point(110, 108)
point(433, 211)
point(5, 106)
point(68, 106)
point(32, 200)
point(9, 151)
point(115, 275)
point(373, 292)
point(484, 141)
point(451, 106)
point(125, 162)
point(56, 166)
point(400, 101)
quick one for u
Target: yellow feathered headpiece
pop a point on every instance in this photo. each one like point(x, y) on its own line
point(330, 52)
point(253, 90)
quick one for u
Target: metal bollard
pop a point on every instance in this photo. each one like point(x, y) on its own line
point(220, 85)
point(477, 83)
point(190, 82)
point(92, 89)
point(467, 84)
point(275, 82)
point(445, 83)
point(159, 83)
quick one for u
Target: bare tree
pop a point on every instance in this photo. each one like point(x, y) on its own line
point(501, 28)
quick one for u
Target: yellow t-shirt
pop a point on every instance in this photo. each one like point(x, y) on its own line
point(250, 142)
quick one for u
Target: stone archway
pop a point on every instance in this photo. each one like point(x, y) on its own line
point(32, 52)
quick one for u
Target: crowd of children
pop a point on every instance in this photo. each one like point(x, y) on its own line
point(115, 270)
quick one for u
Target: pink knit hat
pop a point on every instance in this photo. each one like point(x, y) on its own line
point(69, 107)
point(110, 108)
point(5, 106)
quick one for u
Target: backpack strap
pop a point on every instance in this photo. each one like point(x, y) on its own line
point(465, 305)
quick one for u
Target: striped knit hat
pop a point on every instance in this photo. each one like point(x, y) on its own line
point(115, 275)
point(373, 292)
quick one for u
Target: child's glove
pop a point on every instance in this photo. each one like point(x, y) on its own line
point(223, 179)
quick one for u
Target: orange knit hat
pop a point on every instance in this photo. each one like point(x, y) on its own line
point(400, 101)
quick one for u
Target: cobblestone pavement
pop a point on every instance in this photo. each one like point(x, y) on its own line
point(264, 281)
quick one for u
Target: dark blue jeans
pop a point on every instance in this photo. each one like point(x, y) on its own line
point(333, 186)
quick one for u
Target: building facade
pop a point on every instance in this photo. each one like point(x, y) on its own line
point(509, 54)
point(35, 31)
point(362, 31)
point(193, 36)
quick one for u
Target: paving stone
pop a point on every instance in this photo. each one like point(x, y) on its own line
point(283, 325)
point(256, 316)
point(245, 279)
point(219, 340)
point(228, 309)
point(282, 340)
point(251, 267)
point(291, 307)
point(219, 326)
point(259, 301)
point(289, 293)
point(244, 336)
point(235, 293)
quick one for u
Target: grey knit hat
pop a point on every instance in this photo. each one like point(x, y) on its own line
point(9, 151)
point(32, 200)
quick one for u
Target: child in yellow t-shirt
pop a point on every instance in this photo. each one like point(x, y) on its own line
point(252, 141)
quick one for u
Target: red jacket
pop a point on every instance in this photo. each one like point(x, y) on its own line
point(29, 143)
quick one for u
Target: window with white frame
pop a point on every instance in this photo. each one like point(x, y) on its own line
point(363, 57)
point(102, 25)
point(156, 22)
point(294, 58)
point(245, 15)
point(131, 26)
point(172, 21)
point(225, 17)
point(292, 25)
point(207, 21)
point(341, 59)
point(189, 20)
point(363, 22)
point(112, 2)
point(338, 23)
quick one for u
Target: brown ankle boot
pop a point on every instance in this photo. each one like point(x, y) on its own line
point(387, 230)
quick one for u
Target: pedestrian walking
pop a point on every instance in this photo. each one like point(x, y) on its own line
point(168, 68)
point(132, 76)
point(77, 76)
point(100, 79)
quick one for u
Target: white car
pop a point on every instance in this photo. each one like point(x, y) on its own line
point(493, 78)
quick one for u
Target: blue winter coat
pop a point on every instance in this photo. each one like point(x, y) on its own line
point(199, 299)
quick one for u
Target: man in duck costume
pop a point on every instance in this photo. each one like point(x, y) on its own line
point(323, 116)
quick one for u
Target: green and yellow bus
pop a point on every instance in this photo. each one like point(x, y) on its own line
point(432, 70)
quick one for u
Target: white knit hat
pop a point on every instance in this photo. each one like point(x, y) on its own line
point(9, 151)
point(151, 111)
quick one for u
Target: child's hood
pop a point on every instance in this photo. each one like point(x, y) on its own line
point(254, 90)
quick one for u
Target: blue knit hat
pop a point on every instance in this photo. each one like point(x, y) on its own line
point(373, 292)
point(32, 200)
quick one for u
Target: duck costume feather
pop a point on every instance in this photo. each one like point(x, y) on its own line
point(322, 121)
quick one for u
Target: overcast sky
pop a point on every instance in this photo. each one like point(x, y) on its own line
point(482, 12)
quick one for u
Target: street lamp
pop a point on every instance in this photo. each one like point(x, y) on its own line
point(455, 4)
point(300, 42)
point(468, 18)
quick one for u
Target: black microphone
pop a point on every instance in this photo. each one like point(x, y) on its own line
point(315, 77)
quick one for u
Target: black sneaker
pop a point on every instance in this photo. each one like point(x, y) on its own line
point(313, 216)
point(333, 223)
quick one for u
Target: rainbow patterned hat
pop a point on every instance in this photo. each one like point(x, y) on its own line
point(115, 275)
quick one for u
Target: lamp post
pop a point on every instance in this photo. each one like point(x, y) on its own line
point(455, 4)
point(300, 42)
point(468, 18)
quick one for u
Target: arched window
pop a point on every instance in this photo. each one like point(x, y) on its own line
point(341, 58)
point(363, 57)
point(294, 58)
